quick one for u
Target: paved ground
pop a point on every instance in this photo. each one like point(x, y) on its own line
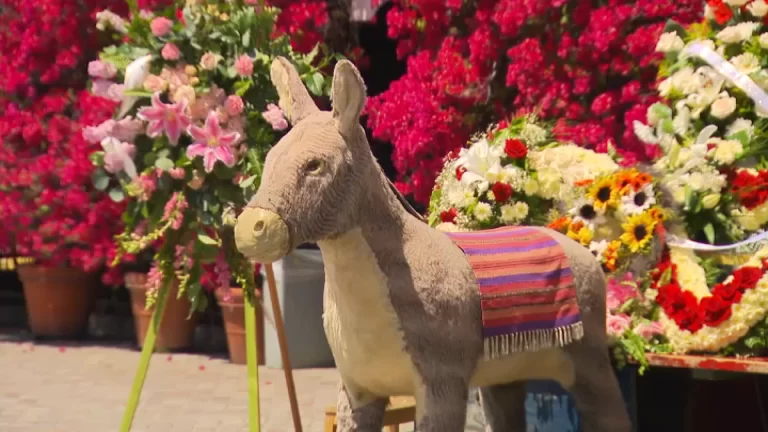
point(52, 388)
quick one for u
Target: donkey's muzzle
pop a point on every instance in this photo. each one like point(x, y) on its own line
point(261, 235)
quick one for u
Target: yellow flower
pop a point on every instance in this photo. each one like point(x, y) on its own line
point(611, 254)
point(584, 235)
point(604, 193)
point(638, 231)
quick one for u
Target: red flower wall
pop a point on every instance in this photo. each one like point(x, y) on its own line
point(589, 65)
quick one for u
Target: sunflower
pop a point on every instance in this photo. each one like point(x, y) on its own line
point(604, 193)
point(657, 214)
point(622, 180)
point(611, 254)
point(638, 231)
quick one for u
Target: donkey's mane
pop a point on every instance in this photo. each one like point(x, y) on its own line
point(408, 207)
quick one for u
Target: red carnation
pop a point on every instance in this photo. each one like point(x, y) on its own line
point(460, 172)
point(730, 292)
point(748, 277)
point(515, 149)
point(502, 192)
point(690, 320)
point(449, 215)
point(715, 310)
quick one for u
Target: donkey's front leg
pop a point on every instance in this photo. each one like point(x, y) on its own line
point(359, 412)
point(441, 404)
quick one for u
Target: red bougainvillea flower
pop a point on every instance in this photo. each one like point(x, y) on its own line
point(212, 143)
point(170, 119)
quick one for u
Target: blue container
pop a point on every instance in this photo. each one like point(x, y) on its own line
point(549, 408)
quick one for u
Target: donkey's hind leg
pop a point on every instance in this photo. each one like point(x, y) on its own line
point(596, 390)
point(504, 407)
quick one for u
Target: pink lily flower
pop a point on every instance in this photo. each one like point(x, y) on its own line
point(212, 143)
point(169, 118)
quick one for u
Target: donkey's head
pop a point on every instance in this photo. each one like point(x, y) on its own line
point(314, 178)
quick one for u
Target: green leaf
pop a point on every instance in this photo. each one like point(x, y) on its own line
point(242, 87)
point(116, 194)
point(740, 136)
point(97, 158)
point(753, 342)
point(137, 93)
point(246, 39)
point(100, 179)
point(206, 240)
point(248, 182)
point(150, 158)
point(164, 164)
point(709, 232)
point(315, 84)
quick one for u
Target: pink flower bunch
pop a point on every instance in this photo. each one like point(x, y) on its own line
point(620, 291)
point(590, 65)
point(48, 202)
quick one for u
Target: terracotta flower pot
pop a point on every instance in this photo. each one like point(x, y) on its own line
point(233, 314)
point(176, 331)
point(59, 300)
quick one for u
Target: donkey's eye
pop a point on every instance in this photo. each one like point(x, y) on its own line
point(314, 167)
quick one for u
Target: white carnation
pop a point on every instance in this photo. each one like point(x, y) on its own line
point(758, 8)
point(483, 211)
point(738, 125)
point(737, 33)
point(746, 63)
point(723, 107)
point(737, 3)
point(670, 42)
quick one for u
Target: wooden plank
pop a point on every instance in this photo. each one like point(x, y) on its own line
point(724, 364)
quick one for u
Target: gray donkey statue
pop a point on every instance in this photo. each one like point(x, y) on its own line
point(410, 310)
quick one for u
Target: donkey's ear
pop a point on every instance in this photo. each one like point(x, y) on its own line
point(295, 100)
point(348, 96)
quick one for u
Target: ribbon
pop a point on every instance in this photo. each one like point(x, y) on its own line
point(729, 71)
point(682, 243)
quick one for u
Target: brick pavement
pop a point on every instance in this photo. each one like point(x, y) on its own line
point(83, 388)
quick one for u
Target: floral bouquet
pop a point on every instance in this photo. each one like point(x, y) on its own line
point(187, 145)
point(712, 126)
point(712, 131)
point(617, 216)
point(632, 322)
point(512, 175)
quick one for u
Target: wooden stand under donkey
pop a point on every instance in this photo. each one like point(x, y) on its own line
point(410, 310)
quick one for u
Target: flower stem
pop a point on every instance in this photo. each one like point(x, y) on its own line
point(146, 355)
point(252, 360)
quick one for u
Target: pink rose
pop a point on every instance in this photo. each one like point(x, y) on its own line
point(234, 105)
point(113, 163)
point(177, 173)
point(209, 61)
point(648, 330)
point(274, 115)
point(100, 69)
point(154, 84)
point(115, 92)
point(94, 134)
point(161, 26)
point(619, 292)
point(101, 88)
point(617, 324)
point(244, 65)
point(170, 51)
point(128, 128)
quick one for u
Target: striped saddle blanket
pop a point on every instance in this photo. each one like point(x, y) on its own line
point(527, 291)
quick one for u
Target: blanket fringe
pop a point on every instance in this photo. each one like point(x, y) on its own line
point(533, 340)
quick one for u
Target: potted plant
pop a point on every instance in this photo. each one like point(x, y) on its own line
point(50, 211)
point(232, 302)
point(56, 216)
point(187, 146)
